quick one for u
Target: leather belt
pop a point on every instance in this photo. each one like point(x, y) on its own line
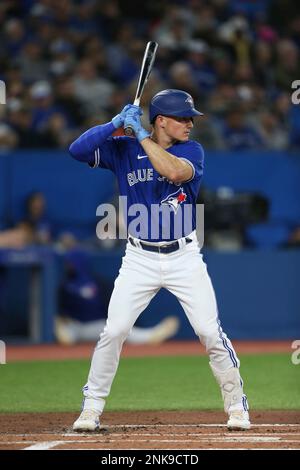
point(168, 248)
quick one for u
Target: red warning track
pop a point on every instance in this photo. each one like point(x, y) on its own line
point(169, 348)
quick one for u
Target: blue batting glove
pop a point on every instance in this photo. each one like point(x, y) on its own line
point(118, 120)
point(132, 119)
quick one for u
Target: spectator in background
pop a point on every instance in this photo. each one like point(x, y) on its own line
point(49, 120)
point(14, 36)
point(181, 77)
point(287, 67)
point(222, 66)
point(109, 18)
point(67, 100)
point(14, 82)
point(8, 137)
point(263, 61)
point(174, 30)
point(91, 91)
point(282, 106)
point(83, 308)
point(237, 134)
point(273, 135)
point(20, 119)
point(36, 217)
point(118, 54)
point(31, 61)
point(62, 59)
point(34, 227)
point(204, 75)
point(221, 99)
point(17, 237)
point(58, 133)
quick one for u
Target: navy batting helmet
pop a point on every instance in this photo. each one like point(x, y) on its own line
point(172, 103)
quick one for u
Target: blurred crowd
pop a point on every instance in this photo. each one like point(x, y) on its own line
point(68, 65)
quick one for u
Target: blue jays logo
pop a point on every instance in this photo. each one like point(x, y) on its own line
point(175, 199)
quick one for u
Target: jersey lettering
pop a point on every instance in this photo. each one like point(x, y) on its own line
point(140, 176)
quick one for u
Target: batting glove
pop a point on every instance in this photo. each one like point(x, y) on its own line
point(132, 119)
point(118, 120)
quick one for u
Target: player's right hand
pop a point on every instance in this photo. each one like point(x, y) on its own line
point(133, 121)
point(119, 119)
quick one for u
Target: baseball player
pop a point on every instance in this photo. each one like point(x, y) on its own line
point(163, 169)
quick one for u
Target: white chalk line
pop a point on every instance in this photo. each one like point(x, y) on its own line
point(43, 445)
point(214, 434)
point(108, 426)
point(204, 436)
point(205, 439)
point(239, 440)
point(220, 436)
point(73, 444)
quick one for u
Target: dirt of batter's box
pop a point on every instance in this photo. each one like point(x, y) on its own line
point(26, 423)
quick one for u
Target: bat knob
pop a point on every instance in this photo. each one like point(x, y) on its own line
point(128, 130)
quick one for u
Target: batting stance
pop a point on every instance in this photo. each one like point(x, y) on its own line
point(166, 169)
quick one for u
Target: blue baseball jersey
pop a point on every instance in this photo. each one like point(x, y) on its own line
point(155, 209)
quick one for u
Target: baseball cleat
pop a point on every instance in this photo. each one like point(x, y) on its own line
point(87, 421)
point(238, 420)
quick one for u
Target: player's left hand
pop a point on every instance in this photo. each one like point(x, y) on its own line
point(132, 119)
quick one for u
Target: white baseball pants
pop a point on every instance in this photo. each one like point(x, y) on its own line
point(141, 276)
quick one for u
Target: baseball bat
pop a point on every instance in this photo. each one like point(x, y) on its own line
point(146, 68)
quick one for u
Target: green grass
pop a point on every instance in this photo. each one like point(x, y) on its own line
point(152, 383)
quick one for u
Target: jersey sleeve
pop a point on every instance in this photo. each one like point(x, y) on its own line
point(111, 153)
point(105, 155)
point(192, 152)
point(98, 148)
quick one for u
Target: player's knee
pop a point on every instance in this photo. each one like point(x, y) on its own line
point(208, 337)
point(118, 331)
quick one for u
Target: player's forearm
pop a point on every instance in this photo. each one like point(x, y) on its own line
point(83, 148)
point(166, 164)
